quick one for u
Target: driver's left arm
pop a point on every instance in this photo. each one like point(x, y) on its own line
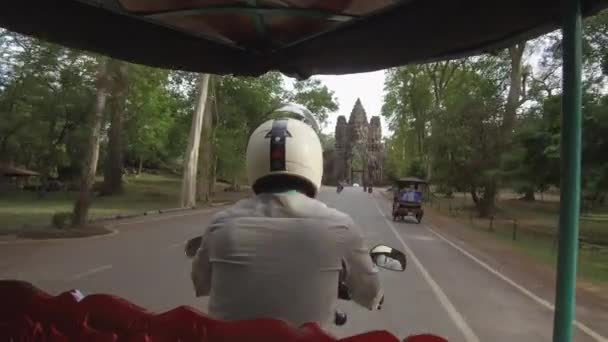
point(361, 273)
point(201, 269)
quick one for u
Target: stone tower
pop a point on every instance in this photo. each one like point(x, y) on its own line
point(358, 149)
point(357, 124)
point(375, 149)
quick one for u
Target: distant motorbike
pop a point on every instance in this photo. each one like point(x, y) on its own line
point(339, 188)
point(369, 189)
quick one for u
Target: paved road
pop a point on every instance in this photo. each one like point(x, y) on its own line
point(443, 291)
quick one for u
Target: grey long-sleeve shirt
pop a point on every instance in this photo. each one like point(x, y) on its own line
point(279, 256)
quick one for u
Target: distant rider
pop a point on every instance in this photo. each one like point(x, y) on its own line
point(278, 254)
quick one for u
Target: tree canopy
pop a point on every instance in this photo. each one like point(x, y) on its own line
point(481, 123)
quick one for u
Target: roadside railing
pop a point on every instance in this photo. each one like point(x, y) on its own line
point(511, 227)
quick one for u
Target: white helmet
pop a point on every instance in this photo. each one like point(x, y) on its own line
point(285, 147)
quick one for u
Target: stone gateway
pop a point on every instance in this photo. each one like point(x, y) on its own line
point(358, 153)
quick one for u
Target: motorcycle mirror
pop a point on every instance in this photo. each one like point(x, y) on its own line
point(192, 246)
point(388, 258)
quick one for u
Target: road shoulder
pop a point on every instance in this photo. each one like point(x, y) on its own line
point(539, 278)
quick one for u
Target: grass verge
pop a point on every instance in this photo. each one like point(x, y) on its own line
point(147, 192)
point(50, 233)
point(530, 228)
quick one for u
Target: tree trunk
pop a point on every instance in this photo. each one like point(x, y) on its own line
point(188, 196)
point(485, 205)
point(140, 166)
point(513, 99)
point(529, 195)
point(474, 195)
point(112, 181)
point(81, 207)
point(213, 177)
point(441, 74)
point(206, 160)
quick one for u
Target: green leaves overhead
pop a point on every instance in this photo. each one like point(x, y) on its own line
point(47, 92)
point(450, 117)
point(315, 96)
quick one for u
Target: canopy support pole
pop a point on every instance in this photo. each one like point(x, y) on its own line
point(570, 159)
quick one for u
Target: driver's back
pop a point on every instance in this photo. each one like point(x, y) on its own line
point(278, 256)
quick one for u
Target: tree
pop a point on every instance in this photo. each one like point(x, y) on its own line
point(113, 183)
point(206, 181)
point(188, 195)
point(401, 152)
point(328, 141)
point(466, 147)
point(440, 74)
point(408, 106)
point(46, 91)
point(315, 96)
point(595, 160)
point(407, 101)
point(243, 103)
point(595, 47)
point(490, 183)
point(159, 109)
point(527, 167)
point(81, 207)
point(595, 145)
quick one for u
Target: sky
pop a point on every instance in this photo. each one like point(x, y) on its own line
point(369, 87)
point(347, 88)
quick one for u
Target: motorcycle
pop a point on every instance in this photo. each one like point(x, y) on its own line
point(369, 189)
point(339, 188)
point(382, 256)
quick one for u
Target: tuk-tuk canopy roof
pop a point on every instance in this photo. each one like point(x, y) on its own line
point(297, 37)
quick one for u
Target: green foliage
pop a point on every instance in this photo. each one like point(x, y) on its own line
point(531, 165)
point(538, 139)
point(408, 102)
point(595, 47)
point(457, 128)
point(327, 141)
point(157, 117)
point(400, 152)
point(315, 96)
point(243, 103)
point(61, 220)
point(416, 169)
point(466, 144)
point(47, 93)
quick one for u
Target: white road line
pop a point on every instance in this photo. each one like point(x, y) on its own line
point(596, 336)
point(458, 319)
point(91, 272)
